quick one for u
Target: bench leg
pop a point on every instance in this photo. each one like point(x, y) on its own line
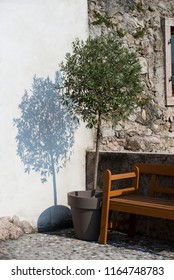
point(104, 225)
point(132, 225)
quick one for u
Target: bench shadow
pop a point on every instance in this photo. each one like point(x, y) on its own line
point(139, 243)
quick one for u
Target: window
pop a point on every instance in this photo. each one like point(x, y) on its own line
point(169, 60)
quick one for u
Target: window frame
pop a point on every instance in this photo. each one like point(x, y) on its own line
point(168, 24)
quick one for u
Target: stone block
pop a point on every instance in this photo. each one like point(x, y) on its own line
point(13, 228)
point(8, 230)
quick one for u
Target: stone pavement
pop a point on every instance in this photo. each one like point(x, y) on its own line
point(62, 245)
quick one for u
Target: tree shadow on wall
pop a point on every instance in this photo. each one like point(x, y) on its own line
point(45, 131)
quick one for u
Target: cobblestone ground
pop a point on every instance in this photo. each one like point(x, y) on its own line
point(62, 245)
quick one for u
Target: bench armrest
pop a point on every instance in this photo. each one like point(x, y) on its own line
point(108, 178)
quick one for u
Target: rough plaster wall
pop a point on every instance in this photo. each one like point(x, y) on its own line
point(35, 35)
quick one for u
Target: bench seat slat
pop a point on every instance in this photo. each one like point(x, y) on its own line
point(146, 206)
point(145, 200)
point(142, 200)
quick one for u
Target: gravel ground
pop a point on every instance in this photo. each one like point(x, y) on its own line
point(61, 245)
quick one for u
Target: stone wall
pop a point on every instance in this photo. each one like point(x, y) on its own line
point(120, 162)
point(138, 24)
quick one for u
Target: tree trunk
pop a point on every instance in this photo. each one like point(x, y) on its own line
point(97, 151)
point(54, 180)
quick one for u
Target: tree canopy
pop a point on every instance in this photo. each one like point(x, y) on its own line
point(101, 77)
point(101, 80)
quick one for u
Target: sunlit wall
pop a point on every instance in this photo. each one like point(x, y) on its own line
point(34, 37)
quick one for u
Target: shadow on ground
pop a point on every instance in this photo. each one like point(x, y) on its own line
point(121, 240)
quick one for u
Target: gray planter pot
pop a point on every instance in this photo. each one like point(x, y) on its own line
point(86, 214)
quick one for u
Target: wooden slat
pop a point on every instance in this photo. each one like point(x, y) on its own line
point(163, 190)
point(121, 191)
point(145, 211)
point(160, 208)
point(155, 202)
point(123, 176)
point(158, 169)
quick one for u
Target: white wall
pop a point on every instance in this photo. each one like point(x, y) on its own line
point(34, 37)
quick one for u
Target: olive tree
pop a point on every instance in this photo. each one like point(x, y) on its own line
point(102, 82)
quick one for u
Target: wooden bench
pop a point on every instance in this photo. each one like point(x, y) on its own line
point(129, 201)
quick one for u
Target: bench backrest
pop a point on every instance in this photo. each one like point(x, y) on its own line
point(157, 170)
